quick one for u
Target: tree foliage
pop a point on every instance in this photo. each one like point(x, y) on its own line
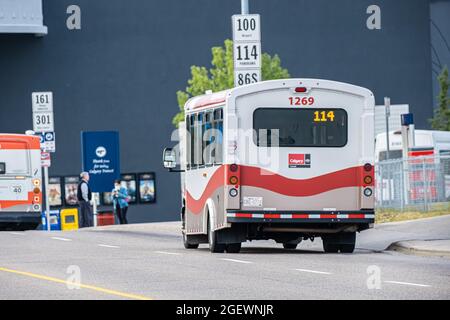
point(441, 119)
point(221, 75)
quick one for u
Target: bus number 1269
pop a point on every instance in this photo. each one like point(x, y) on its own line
point(298, 101)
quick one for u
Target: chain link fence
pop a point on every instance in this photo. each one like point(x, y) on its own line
point(413, 184)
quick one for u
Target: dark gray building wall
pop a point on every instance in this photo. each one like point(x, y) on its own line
point(440, 41)
point(122, 69)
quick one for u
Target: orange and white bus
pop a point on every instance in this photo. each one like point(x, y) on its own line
point(20, 182)
point(288, 160)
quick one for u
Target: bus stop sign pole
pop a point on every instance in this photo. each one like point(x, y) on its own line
point(244, 7)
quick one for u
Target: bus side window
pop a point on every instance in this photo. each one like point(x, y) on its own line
point(192, 144)
point(218, 139)
point(208, 138)
point(188, 141)
point(198, 141)
point(2, 168)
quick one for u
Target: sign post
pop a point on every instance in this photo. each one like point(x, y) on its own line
point(246, 47)
point(43, 123)
point(101, 159)
point(387, 106)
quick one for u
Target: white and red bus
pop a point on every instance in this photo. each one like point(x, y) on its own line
point(287, 160)
point(20, 182)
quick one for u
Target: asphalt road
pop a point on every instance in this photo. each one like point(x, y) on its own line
point(148, 261)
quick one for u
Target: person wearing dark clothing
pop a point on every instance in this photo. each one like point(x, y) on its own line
point(84, 195)
point(119, 196)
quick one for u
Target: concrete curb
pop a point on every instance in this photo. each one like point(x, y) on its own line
point(422, 247)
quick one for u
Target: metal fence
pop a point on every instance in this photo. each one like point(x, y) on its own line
point(416, 183)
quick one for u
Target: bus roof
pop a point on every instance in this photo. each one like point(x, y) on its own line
point(217, 98)
point(33, 142)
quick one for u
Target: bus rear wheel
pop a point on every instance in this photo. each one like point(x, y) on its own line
point(187, 241)
point(233, 247)
point(214, 247)
point(290, 246)
point(188, 244)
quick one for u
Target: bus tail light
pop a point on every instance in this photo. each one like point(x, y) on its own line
point(368, 180)
point(37, 199)
point(36, 190)
point(300, 90)
point(234, 180)
point(37, 182)
point(368, 167)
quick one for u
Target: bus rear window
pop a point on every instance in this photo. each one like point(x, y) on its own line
point(2, 168)
point(300, 127)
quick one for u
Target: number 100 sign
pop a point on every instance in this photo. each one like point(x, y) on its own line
point(246, 27)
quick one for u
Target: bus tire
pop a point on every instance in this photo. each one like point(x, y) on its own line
point(347, 248)
point(188, 244)
point(234, 247)
point(330, 247)
point(348, 243)
point(290, 246)
point(214, 247)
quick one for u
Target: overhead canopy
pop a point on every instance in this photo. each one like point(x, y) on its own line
point(22, 16)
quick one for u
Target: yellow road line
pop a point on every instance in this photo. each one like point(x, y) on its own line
point(84, 286)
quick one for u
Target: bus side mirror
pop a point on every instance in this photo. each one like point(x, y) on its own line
point(169, 158)
point(2, 168)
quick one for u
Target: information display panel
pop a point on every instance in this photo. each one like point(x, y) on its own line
point(147, 190)
point(129, 182)
point(71, 190)
point(55, 197)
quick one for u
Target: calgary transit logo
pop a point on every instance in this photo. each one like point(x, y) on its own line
point(300, 160)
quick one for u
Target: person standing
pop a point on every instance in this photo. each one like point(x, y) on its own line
point(84, 195)
point(119, 197)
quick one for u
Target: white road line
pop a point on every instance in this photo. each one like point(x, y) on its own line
point(313, 271)
point(238, 261)
point(408, 283)
point(17, 233)
point(61, 239)
point(169, 253)
point(108, 246)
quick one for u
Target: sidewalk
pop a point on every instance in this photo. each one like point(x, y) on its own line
point(439, 248)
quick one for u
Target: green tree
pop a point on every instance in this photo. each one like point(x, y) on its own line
point(441, 119)
point(220, 76)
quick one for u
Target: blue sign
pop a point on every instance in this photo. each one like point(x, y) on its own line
point(101, 158)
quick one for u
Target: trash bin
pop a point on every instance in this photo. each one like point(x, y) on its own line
point(105, 218)
point(55, 220)
point(69, 219)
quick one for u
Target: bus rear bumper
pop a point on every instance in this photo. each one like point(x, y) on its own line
point(354, 217)
point(20, 217)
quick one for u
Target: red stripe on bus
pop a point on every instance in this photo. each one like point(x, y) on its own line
point(272, 216)
point(356, 216)
point(244, 215)
point(253, 177)
point(328, 216)
point(4, 204)
point(300, 216)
